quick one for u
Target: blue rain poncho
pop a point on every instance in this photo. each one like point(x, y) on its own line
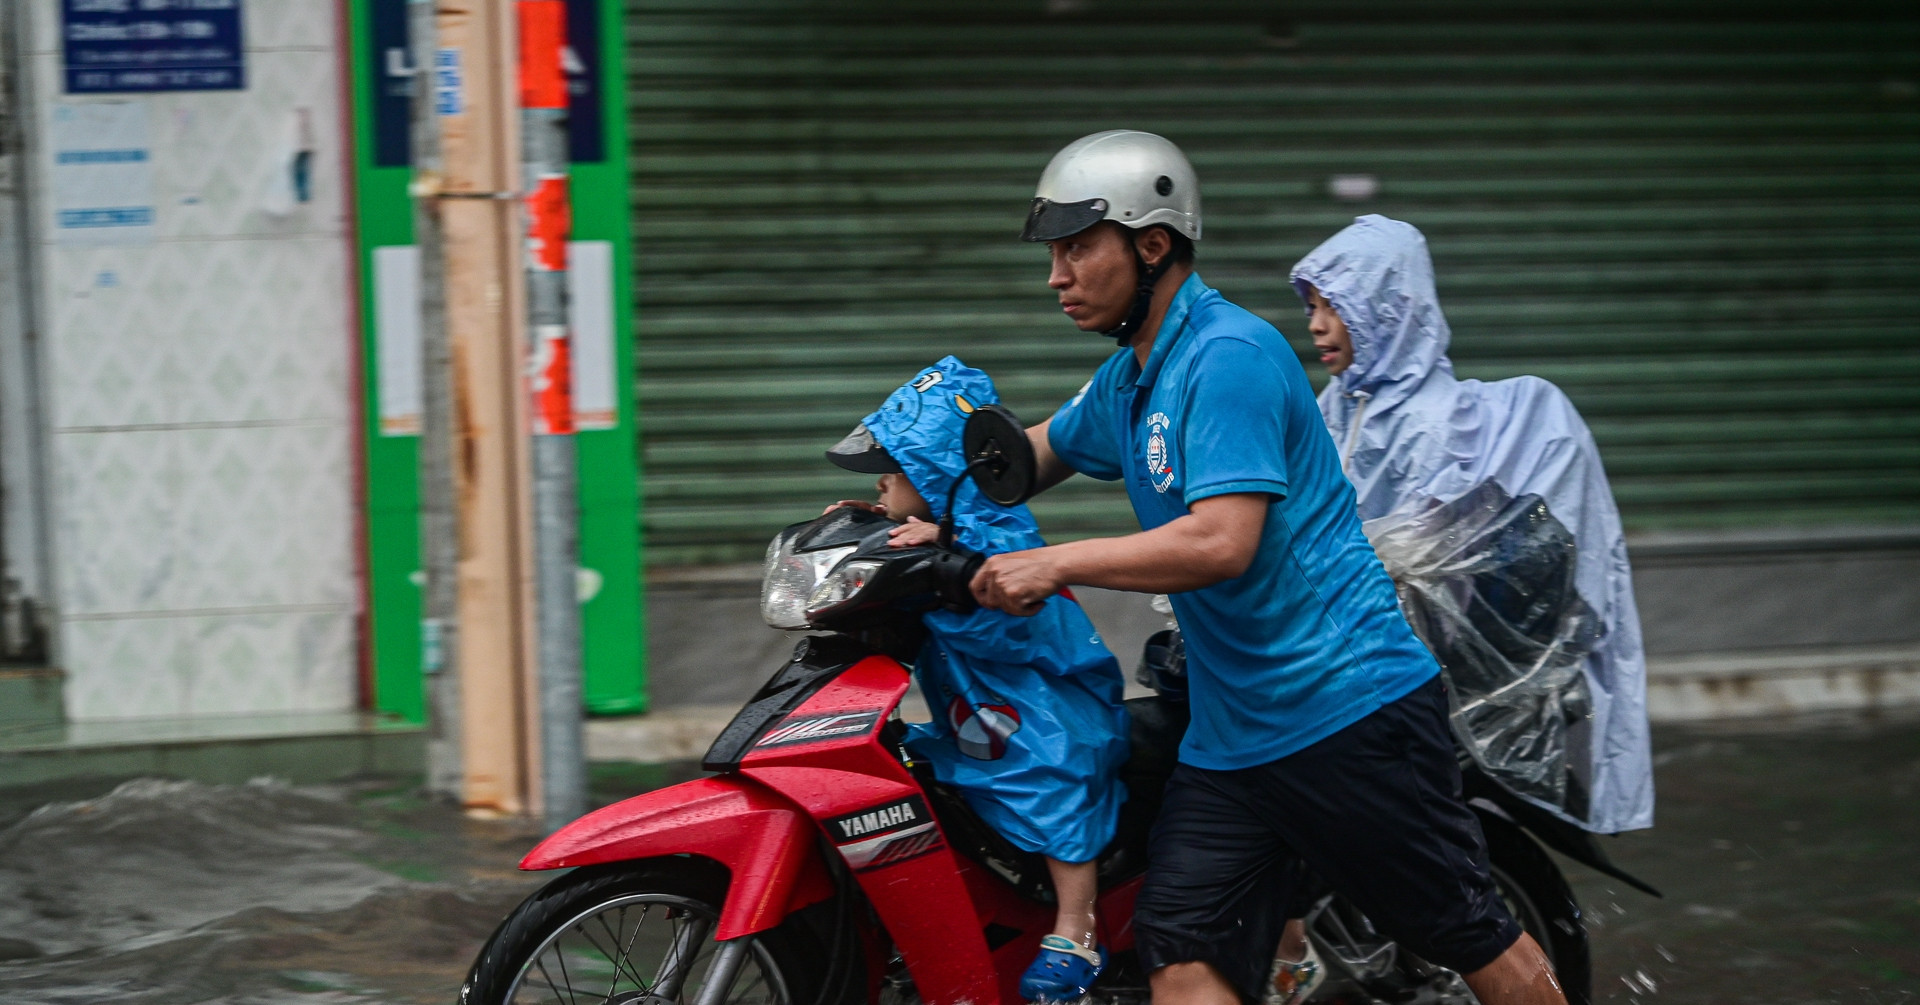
point(1027, 716)
point(1488, 505)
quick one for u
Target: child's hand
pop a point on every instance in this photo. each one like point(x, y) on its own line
point(870, 507)
point(913, 533)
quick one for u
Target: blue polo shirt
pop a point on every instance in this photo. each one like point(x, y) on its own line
point(1310, 639)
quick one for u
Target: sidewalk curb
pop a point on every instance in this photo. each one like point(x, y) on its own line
point(1738, 685)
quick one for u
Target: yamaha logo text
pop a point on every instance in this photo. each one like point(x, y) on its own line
point(883, 835)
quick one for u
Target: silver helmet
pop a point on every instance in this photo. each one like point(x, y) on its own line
point(1133, 178)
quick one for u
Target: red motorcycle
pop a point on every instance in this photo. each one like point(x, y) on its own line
point(821, 865)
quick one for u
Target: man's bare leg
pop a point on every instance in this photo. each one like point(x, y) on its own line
point(1521, 976)
point(1193, 983)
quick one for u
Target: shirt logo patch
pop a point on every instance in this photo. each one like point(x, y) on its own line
point(1159, 462)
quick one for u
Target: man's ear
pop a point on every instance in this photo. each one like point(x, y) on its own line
point(1153, 244)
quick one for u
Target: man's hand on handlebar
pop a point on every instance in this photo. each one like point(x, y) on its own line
point(913, 533)
point(1017, 582)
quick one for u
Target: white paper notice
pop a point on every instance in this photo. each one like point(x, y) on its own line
point(596, 387)
point(396, 336)
point(396, 324)
point(102, 173)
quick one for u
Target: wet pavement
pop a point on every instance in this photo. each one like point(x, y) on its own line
point(1789, 852)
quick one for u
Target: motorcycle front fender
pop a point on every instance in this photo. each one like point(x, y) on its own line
point(768, 844)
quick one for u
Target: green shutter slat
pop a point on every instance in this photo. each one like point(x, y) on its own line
point(1702, 221)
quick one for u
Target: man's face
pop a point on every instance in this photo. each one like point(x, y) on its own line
point(1095, 275)
point(1330, 336)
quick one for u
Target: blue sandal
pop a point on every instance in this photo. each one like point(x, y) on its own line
point(1062, 972)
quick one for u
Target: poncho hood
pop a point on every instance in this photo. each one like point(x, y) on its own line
point(920, 425)
point(1378, 276)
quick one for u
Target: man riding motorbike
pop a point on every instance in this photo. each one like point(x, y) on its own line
point(1319, 727)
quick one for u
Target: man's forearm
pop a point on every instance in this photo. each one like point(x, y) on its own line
point(1172, 558)
point(1217, 541)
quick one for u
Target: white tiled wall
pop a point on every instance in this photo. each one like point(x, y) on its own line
point(199, 402)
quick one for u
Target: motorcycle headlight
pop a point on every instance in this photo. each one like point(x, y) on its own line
point(842, 584)
point(789, 579)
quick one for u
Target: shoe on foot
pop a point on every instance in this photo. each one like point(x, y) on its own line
point(1293, 981)
point(1062, 972)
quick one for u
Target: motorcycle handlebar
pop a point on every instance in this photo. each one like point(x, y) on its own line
point(954, 570)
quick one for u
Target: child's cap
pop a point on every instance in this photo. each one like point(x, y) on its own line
point(859, 451)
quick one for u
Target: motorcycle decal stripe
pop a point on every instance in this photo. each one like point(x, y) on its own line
point(887, 818)
point(819, 727)
point(888, 849)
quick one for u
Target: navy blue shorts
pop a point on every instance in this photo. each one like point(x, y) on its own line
point(1374, 811)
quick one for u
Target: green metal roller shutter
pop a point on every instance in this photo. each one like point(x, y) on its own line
point(1705, 231)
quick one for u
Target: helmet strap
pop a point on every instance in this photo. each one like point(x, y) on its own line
point(1122, 333)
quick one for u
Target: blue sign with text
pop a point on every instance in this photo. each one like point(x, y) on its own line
point(120, 46)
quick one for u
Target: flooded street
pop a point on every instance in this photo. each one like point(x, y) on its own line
point(1790, 860)
point(1787, 852)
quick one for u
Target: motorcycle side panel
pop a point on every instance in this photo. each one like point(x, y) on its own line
point(766, 842)
point(1011, 924)
point(828, 757)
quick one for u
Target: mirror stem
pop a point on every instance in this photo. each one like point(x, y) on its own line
point(953, 494)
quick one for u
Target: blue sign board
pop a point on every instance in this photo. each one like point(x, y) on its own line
point(120, 46)
point(392, 76)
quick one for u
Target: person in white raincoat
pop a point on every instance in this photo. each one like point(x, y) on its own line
point(1488, 504)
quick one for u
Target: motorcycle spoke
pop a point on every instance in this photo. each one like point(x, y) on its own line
point(595, 943)
point(622, 963)
point(626, 954)
point(759, 980)
point(554, 987)
point(682, 953)
point(645, 950)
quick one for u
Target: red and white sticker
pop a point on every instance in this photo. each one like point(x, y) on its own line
point(807, 729)
point(551, 377)
point(883, 835)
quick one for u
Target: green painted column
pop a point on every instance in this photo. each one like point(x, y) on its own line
point(612, 612)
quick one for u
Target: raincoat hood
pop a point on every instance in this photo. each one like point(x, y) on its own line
point(1028, 721)
point(920, 426)
point(1457, 479)
point(1379, 278)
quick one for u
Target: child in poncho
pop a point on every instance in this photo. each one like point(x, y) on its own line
point(1027, 716)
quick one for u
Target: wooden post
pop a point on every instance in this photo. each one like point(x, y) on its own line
point(486, 311)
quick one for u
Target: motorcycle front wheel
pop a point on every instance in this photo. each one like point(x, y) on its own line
point(638, 934)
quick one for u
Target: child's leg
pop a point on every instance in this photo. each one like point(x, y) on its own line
point(1075, 885)
point(1069, 960)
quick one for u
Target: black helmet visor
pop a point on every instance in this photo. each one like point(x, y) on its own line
point(859, 451)
point(1050, 221)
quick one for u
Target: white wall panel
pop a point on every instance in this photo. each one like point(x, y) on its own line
point(202, 429)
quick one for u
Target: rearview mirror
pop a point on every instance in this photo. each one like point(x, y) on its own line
point(999, 456)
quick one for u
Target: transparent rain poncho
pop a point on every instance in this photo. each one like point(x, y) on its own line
point(1488, 505)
